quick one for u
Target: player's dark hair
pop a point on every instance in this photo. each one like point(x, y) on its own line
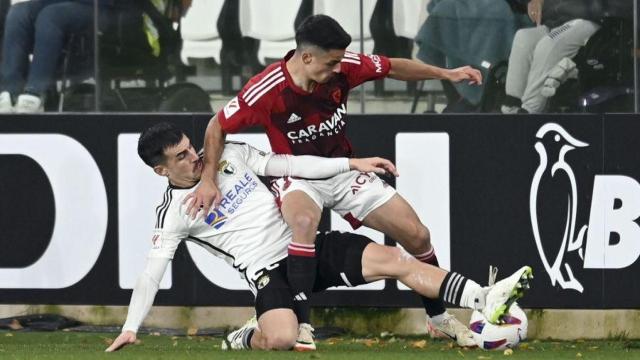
point(322, 31)
point(155, 140)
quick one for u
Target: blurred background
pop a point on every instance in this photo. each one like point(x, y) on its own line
point(193, 55)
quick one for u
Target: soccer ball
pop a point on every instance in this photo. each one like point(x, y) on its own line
point(497, 337)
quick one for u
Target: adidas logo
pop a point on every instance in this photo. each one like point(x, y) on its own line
point(293, 118)
point(300, 297)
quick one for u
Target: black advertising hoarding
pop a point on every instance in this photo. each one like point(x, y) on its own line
point(559, 193)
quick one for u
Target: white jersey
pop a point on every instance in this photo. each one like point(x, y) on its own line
point(246, 230)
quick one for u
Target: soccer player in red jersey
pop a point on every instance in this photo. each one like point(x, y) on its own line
point(301, 101)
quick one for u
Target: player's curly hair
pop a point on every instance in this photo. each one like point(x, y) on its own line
point(322, 31)
point(155, 140)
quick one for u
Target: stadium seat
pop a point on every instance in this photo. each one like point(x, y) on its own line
point(200, 37)
point(273, 23)
point(408, 16)
point(347, 13)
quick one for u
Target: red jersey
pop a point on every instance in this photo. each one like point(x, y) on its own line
point(298, 122)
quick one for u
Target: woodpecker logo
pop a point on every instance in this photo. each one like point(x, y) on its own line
point(615, 206)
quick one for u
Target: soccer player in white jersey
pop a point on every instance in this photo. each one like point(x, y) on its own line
point(249, 232)
point(301, 102)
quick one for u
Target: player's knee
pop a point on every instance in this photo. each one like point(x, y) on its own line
point(282, 340)
point(304, 222)
point(418, 238)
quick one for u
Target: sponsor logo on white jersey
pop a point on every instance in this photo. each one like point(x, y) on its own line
point(294, 118)
point(328, 127)
point(234, 198)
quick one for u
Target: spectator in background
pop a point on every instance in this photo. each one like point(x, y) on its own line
point(41, 28)
point(563, 27)
point(461, 32)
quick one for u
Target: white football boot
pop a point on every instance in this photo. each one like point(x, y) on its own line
point(454, 329)
point(236, 340)
point(305, 340)
point(504, 293)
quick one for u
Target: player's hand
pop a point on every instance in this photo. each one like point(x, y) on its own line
point(124, 339)
point(375, 164)
point(204, 196)
point(534, 10)
point(465, 73)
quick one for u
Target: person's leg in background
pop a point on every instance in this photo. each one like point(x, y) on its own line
point(17, 44)
point(562, 42)
point(524, 45)
point(53, 26)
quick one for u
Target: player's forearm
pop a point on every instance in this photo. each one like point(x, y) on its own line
point(306, 166)
point(144, 293)
point(411, 70)
point(213, 148)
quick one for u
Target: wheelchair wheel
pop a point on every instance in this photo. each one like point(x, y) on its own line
point(185, 98)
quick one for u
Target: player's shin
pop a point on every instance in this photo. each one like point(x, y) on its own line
point(301, 273)
point(434, 307)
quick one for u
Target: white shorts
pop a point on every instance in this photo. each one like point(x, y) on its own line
point(353, 195)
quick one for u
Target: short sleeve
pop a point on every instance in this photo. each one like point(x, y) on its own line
point(252, 106)
point(359, 68)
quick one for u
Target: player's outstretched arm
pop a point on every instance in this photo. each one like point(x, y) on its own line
point(412, 70)
point(124, 339)
point(207, 193)
point(142, 297)
point(314, 167)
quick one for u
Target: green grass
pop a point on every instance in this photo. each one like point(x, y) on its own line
point(67, 345)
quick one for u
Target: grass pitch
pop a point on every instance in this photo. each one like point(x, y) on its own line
point(68, 345)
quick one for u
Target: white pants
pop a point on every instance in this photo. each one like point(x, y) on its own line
point(536, 51)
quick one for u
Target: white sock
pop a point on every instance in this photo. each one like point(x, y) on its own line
point(458, 290)
point(473, 296)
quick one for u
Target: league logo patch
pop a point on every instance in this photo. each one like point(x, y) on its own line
point(263, 281)
point(232, 107)
point(156, 241)
point(225, 168)
point(216, 218)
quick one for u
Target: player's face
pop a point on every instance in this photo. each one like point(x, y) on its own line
point(323, 65)
point(183, 166)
